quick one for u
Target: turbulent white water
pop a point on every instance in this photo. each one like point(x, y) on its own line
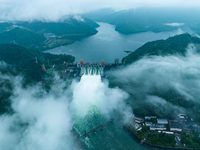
point(92, 70)
point(93, 104)
point(87, 93)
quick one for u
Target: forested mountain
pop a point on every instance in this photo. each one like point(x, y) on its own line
point(143, 77)
point(98, 14)
point(151, 19)
point(148, 16)
point(172, 45)
point(22, 37)
point(83, 26)
point(29, 62)
point(5, 26)
point(45, 35)
point(129, 28)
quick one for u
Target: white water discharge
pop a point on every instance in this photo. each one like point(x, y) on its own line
point(92, 70)
point(94, 103)
point(91, 91)
point(86, 93)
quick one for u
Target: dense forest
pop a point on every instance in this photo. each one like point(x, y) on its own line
point(22, 37)
point(68, 26)
point(131, 27)
point(31, 64)
point(5, 26)
point(28, 61)
point(172, 45)
point(45, 35)
point(148, 19)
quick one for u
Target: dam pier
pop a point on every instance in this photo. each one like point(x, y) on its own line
point(92, 68)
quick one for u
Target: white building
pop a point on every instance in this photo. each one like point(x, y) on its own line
point(148, 124)
point(162, 121)
point(175, 129)
point(158, 127)
point(147, 117)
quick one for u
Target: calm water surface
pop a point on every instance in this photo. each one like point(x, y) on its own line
point(108, 44)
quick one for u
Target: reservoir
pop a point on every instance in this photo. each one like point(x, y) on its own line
point(109, 44)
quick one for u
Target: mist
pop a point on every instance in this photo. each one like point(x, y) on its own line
point(150, 76)
point(39, 120)
point(43, 120)
point(92, 91)
point(54, 10)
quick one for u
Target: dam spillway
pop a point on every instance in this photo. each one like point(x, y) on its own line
point(93, 123)
point(92, 68)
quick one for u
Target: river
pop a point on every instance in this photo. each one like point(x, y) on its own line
point(88, 98)
point(108, 44)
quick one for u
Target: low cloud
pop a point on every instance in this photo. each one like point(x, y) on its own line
point(163, 107)
point(39, 120)
point(162, 74)
point(44, 120)
point(53, 10)
point(174, 24)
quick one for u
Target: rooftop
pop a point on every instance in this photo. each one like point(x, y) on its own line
point(162, 121)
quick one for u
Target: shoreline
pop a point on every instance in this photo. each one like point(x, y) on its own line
point(148, 145)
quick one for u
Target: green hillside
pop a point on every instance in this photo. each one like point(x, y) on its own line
point(150, 16)
point(46, 35)
point(24, 60)
point(28, 63)
point(69, 26)
point(22, 37)
point(5, 26)
point(143, 85)
point(151, 19)
point(173, 45)
point(129, 28)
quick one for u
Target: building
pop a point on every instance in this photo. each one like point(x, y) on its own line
point(138, 119)
point(166, 132)
point(175, 129)
point(162, 121)
point(158, 127)
point(183, 117)
point(188, 124)
point(153, 117)
point(147, 117)
point(175, 126)
point(148, 124)
point(138, 126)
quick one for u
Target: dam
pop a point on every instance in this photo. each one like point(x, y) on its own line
point(92, 68)
point(95, 109)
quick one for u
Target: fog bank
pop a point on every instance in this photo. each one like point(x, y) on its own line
point(53, 10)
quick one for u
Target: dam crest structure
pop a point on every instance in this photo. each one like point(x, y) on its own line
point(93, 68)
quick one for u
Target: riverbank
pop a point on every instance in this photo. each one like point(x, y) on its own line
point(51, 43)
point(148, 145)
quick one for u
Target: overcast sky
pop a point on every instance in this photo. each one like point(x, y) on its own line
point(54, 9)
